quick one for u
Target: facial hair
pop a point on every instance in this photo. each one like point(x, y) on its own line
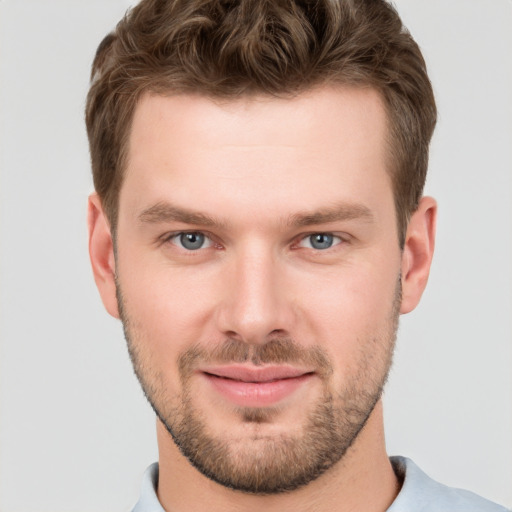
point(268, 463)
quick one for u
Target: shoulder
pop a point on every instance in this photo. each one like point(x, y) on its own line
point(422, 494)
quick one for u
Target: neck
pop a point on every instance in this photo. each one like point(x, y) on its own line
point(362, 481)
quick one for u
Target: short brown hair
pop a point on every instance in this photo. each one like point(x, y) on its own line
point(229, 48)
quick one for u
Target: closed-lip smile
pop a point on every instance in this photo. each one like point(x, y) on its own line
point(254, 386)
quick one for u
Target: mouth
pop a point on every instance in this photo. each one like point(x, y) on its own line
point(250, 386)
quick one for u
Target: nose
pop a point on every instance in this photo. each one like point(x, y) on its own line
point(255, 306)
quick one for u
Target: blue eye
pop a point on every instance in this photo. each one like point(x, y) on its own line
point(320, 241)
point(191, 241)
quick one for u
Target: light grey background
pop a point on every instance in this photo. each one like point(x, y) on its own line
point(75, 431)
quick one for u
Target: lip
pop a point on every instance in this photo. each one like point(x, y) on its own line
point(254, 386)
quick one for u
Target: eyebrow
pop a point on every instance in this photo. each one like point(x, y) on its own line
point(166, 212)
point(163, 212)
point(337, 213)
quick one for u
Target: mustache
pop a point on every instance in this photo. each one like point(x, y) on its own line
point(275, 351)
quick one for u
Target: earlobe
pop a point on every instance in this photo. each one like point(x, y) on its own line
point(417, 253)
point(101, 253)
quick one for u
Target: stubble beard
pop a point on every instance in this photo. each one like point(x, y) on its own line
point(262, 463)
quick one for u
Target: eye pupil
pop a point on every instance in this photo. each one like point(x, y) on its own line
point(192, 241)
point(321, 241)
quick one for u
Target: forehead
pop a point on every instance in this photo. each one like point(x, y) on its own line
point(324, 145)
point(264, 119)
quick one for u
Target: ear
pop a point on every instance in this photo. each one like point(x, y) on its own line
point(417, 253)
point(101, 252)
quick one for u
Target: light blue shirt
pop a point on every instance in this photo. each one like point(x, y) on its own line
point(419, 493)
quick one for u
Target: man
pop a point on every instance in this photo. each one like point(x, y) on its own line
point(258, 226)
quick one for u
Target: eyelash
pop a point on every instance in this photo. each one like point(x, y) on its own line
point(303, 238)
point(322, 234)
point(171, 236)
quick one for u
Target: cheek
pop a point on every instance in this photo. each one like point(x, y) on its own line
point(356, 295)
point(352, 315)
point(166, 304)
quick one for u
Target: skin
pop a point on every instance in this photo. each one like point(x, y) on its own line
point(254, 165)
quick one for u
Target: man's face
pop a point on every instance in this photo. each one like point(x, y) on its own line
point(258, 277)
